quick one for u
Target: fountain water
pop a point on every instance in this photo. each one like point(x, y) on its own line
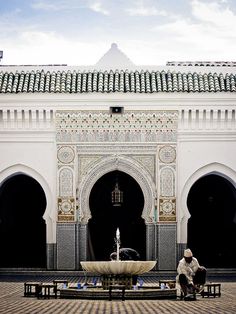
point(117, 244)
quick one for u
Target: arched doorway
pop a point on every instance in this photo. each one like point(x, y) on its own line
point(212, 226)
point(106, 218)
point(22, 228)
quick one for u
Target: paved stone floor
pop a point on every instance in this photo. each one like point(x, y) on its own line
point(12, 301)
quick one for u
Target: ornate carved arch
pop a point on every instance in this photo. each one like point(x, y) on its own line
point(127, 165)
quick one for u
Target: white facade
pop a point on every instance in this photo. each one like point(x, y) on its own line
point(204, 143)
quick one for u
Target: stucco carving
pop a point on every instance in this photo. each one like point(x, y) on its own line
point(148, 162)
point(65, 154)
point(117, 148)
point(101, 126)
point(66, 182)
point(65, 177)
point(98, 135)
point(167, 182)
point(85, 162)
point(167, 154)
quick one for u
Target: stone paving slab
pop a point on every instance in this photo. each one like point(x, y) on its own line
point(12, 301)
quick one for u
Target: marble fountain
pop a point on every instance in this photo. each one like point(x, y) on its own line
point(119, 276)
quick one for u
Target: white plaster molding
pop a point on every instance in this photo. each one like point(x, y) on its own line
point(127, 165)
point(212, 168)
point(89, 101)
point(206, 136)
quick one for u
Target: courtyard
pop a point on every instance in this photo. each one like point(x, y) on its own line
point(12, 301)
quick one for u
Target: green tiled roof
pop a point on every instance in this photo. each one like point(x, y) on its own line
point(114, 81)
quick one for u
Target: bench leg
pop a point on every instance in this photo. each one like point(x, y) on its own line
point(110, 291)
point(123, 294)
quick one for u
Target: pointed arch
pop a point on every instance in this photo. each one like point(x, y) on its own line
point(212, 168)
point(49, 216)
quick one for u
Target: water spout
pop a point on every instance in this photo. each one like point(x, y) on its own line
point(117, 244)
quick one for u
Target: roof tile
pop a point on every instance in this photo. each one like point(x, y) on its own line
point(118, 81)
point(185, 82)
point(163, 81)
point(137, 82)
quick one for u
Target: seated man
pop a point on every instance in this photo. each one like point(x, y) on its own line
point(191, 276)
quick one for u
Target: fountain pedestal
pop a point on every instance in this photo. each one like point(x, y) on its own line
point(122, 280)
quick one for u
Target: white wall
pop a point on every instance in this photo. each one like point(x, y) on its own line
point(34, 155)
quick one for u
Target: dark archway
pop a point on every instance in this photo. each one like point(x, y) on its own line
point(212, 225)
point(22, 228)
point(106, 218)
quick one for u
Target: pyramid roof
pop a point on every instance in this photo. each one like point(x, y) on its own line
point(114, 59)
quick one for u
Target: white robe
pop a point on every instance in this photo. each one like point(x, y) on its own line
point(188, 269)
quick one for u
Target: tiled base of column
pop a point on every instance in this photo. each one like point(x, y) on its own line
point(66, 246)
point(51, 256)
point(166, 246)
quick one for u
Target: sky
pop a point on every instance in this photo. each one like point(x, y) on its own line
point(149, 32)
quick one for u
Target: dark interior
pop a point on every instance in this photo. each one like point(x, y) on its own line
point(212, 226)
point(22, 228)
point(106, 218)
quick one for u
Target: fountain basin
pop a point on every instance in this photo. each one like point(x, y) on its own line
point(118, 267)
point(148, 293)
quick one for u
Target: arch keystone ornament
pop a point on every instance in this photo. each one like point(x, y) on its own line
point(124, 164)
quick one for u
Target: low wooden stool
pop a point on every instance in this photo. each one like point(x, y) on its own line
point(32, 289)
point(117, 287)
point(211, 290)
point(47, 290)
